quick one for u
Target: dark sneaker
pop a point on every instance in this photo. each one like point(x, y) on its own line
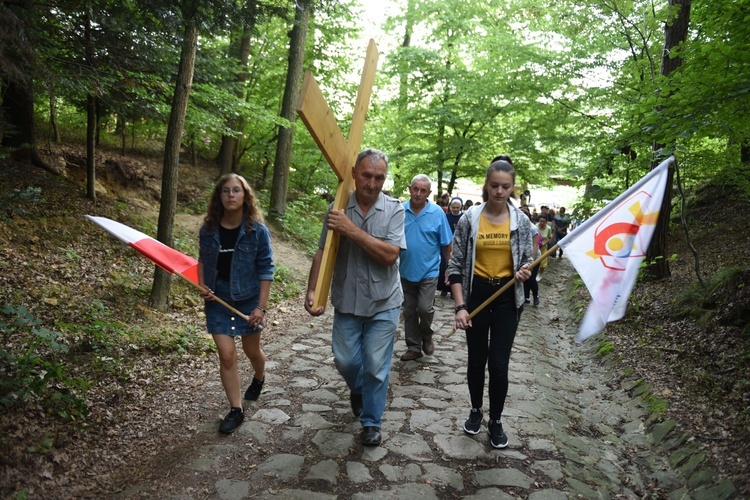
point(253, 390)
point(233, 420)
point(474, 422)
point(371, 436)
point(498, 439)
point(526, 301)
point(356, 401)
point(536, 301)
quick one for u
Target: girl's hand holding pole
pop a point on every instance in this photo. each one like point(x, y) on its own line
point(524, 273)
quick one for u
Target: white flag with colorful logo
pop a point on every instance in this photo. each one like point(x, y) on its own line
point(607, 250)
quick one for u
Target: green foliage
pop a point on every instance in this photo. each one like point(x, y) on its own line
point(96, 333)
point(701, 302)
point(643, 268)
point(656, 406)
point(174, 341)
point(303, 221)
point(605, 348)
point(285, 284)
point(33, 366)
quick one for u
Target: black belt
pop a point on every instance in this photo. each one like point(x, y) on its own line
point(491, 281)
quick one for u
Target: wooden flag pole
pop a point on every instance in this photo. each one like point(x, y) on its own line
point(339, 152)
point(217, 299)
point(505, 287)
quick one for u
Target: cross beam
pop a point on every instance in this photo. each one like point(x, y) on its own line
point(339, 152)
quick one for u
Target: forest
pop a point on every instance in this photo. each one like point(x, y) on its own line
point(588, 93)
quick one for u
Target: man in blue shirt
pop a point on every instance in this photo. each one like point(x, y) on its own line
point(427, 234)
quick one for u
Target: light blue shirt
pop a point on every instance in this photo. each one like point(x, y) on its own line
point(426, 234)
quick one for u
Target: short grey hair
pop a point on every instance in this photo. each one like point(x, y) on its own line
point(423, 178)
point(373, 154)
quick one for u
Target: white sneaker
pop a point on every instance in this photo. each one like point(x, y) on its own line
point(539, 277)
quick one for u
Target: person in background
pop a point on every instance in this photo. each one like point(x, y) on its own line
point(544, 209)
point(365, 290)
point(444, 201)
point(468, 205)
point(550, 218)
point(236, 265)
point(545, 232)
point(531, 285)
point(560, 223)
point(428, 236)
point(442, 204)
point(455, 211)
point(492, 244)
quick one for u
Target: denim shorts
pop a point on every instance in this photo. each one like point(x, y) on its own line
point(221, 320)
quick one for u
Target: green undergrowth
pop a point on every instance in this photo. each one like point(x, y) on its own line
point(53, 368)
point(703, 303)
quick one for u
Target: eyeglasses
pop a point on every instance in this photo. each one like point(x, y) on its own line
point(236, 191)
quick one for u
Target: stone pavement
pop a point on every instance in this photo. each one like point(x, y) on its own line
point(577, 427)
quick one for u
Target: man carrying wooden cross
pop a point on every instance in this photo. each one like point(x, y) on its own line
point(366, 289)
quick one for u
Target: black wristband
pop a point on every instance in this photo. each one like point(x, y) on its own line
point(258, 307)
point(462, 307)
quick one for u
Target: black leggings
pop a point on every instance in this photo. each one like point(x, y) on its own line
point(531, 284)
point(490, 339)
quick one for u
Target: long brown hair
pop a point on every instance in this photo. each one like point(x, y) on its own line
point(250, 209)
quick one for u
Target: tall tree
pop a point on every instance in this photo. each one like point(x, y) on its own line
point(91, 115)
point(280, 182)
point(162, 279)
point(227, 157)
point(675, 34)
point(17, 59)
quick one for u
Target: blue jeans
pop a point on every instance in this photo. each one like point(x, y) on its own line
point(362, 351)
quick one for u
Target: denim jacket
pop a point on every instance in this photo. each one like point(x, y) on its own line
point(252, 261)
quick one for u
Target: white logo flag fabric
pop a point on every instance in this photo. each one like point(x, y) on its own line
point(607, 250)
point(160, 254)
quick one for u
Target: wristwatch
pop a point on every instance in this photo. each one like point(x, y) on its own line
point(462, 307)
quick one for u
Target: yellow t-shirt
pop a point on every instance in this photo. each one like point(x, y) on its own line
point(494, 258)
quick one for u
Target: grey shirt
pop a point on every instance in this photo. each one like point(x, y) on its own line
point(360, 285)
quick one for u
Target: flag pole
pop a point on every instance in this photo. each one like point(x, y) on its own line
point(505, 287)
point(217, 299)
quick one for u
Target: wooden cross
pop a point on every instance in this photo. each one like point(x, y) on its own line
point(341, 153)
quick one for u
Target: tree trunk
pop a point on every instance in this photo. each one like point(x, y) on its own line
point(91, 141)
point(228, 152)
point(54, 132)
point(280, 181)
point(162, 281)
point(18, 109)
point(91, 147)
point(17, 91)
point(675, 32)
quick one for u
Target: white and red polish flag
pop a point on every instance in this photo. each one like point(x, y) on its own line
point(607, 249)
point(167, 258)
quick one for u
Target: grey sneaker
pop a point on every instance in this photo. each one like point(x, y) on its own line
point(498, 439)
point(474, 422)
